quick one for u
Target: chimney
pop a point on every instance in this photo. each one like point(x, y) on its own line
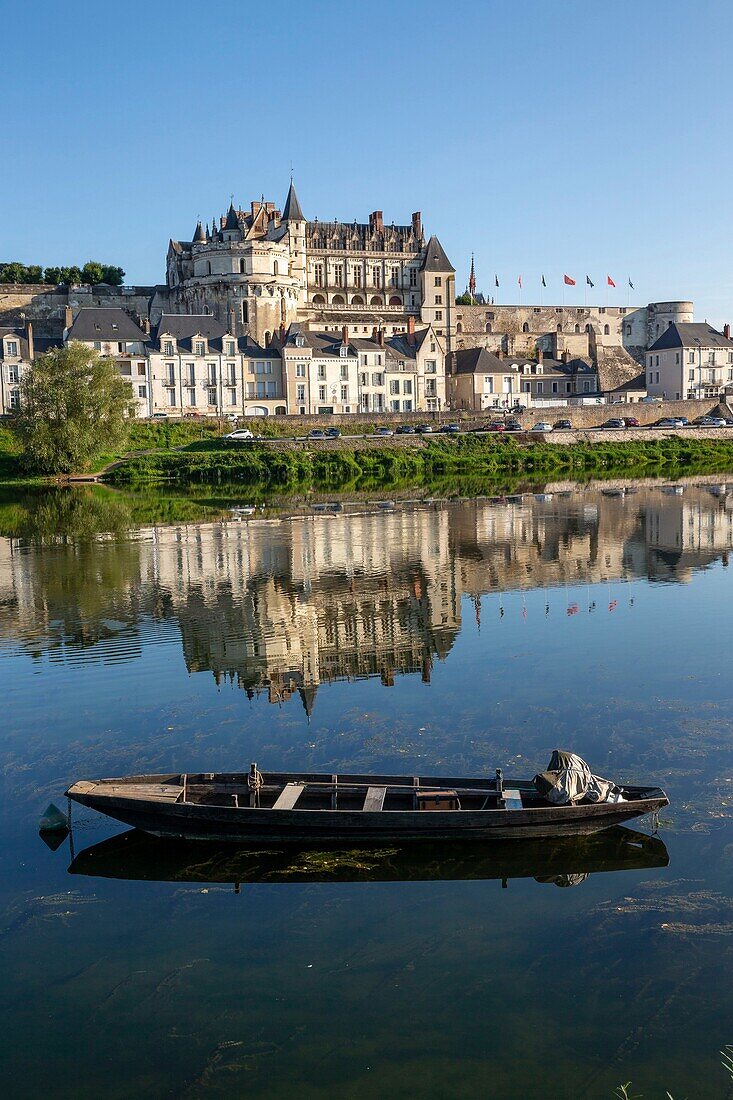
point(380, 337)
point(726, 331)
point(233, 322)
point(29, 338)
point(374, 334)
point(345, 334)
point(411, 331)
point(566, 356)
point(417, 224)
point(540, 355)
point(282, 333)
point(145, 326)
point(68, 317)
point(500, 353)
point(376, 221)
point(268, 339)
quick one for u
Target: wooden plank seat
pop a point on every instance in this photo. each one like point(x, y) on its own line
point(157, 792)
point(374, 801)
point(289, 795)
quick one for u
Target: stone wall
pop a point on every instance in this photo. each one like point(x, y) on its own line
point(46, 306)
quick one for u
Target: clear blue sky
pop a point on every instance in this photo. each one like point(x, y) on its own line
point(545, 136)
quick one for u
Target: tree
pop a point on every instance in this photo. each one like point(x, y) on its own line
point(464, 300)
point(73, 407)
point(92, 273)
point(112, 275)
point(13, 272)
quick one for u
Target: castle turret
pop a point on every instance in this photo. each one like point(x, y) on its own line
point(294, 221)
point(199, 236)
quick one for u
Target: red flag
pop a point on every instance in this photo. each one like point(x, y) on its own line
point(573, 609)
point(610, 281)
point(613, 605)
point(519, 280)
point(568, 281)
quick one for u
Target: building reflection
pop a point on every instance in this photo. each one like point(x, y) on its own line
point(281, 606)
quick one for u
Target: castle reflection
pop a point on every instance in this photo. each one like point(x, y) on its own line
point(281, 606)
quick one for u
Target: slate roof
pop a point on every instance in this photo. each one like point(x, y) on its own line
point(691, 334)
point(182, 326)
point(232, 221)
point(292, 206)
point(17, 334)
point(481, 361)
point(96, 323)
point(435, 257)
point(199, 236)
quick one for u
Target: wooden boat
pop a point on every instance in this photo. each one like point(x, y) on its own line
point(300, 806)
point(564, 861)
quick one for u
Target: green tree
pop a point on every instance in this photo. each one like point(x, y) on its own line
point(52, 276)
point(73, 408)
point(112, 275)
point(13, 272)
point(464, 300)
point(92, 273)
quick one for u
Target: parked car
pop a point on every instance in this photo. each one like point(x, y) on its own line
point(232, 418)
point(684, 421)
point(384, 431)
point(404, 429)
point(650, 400)
point(542, 426)
point(711, 422)
point(512, 425)
point(563, 425)
point(193, 414)
point(631, 421)
point(333, 433)
point(451, 429)
point(614, 424)
point(670, 422)
point(241, 435)
point(317, 433)
point(519, 408)
point(159, 416)
point(494, 426)
point(424, 429)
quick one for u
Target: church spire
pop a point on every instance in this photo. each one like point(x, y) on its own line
point(472, 280)
point(292, 211)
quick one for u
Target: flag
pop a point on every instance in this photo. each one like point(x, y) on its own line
point(573, 609)
point(587, 279)
point(568, 281)
point(496, 280)
point(613, 605)
point(631, 284)
point(519, 280)
point(610, 281)
point(543, 281)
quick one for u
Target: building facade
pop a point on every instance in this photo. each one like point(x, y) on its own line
point(689, 361)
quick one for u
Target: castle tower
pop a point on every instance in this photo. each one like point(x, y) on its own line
point(294, 221)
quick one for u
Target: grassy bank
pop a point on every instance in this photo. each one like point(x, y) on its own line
point(496, 458)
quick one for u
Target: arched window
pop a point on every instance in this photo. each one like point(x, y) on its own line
point(208, 268)
point(559, 328)
point(395, 301)
point(245, 313)
point(337, 300)
point(587, 328)
point(459, 328)
point(268, 338)
point(577, 328)
point(275, 268)
point(488, 326)
point(280, 410)
point(241, 268)
point(525, 327)
point(318, 300)
point(606, 330)
point(376, 301)
point(357, 300)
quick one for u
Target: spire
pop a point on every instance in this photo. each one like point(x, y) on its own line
point(292, 211)
point(308, 698)
point(232, 221)
point(199, 236)
point(472, 280)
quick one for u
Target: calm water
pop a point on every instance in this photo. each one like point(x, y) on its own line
point(455, 637)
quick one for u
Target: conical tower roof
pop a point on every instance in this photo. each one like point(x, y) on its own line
point(292, 211)
point(199, 236)
point(232, 221)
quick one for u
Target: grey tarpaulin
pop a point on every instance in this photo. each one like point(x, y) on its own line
point(568, 779)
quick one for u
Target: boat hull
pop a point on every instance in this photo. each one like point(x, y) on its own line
point(244, 824)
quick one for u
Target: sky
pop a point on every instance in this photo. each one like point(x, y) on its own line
point(545, 137)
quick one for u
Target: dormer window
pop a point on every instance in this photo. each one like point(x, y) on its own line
point(11, 348)
point(168, 347)
point(344, 350)
point(199, 347)
point(299, 341)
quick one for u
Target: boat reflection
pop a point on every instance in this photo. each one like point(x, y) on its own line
point(135, 855)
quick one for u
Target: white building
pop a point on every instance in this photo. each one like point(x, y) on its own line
point(114, 334)
point(688, 361)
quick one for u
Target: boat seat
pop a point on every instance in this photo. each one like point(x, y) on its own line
point(512, 800)
point(289, 795)
point(374, 800)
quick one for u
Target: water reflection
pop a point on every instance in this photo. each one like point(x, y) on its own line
point(282, 605)
point(562, 862)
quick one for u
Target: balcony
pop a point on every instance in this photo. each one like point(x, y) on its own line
point(329, 307)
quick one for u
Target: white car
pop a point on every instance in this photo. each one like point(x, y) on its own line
point(542, 426)
point(240, 436)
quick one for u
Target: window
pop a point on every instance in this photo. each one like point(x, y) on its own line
point(321, 393)
point(407, 406)
point(171, 397)
point(438, 315)
point(407, 385)
point(540, 387)
point(395, 279)
point(691, 375)
point(300, 393)
point(377, 379)
point(271, 388)
point(168, 347)
point(364, 379)
point(245, 313)
point(170, 373)
point(394, 406)
point(190, 374)
point(656, 360)
point(691, 357)
point(377, 276)
point(344, 393)
point(211, 372)
point(12, 347)
point(260, 388)
point(554, 387)
point(199, 348)
point(488, 384)
point(229, 347)
point(394, 385)
point(526, 386)
point(231, 373)
point(488, 327)
point(606, 330)
point(318, 274)
point(232, 396)
point(322, 372)
point(438, 281)
point(413, 276)
point(300, 370)
point(676, 357)
point(275, 268)
point(586, 387)
point(438, 299)
point(250, 389)
point(338, 274)
point(192, 397)
point(430, 366)
point(525, 327)
point(357, 276)
point(344, 372)
point(242, 268)
point(14, 399)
